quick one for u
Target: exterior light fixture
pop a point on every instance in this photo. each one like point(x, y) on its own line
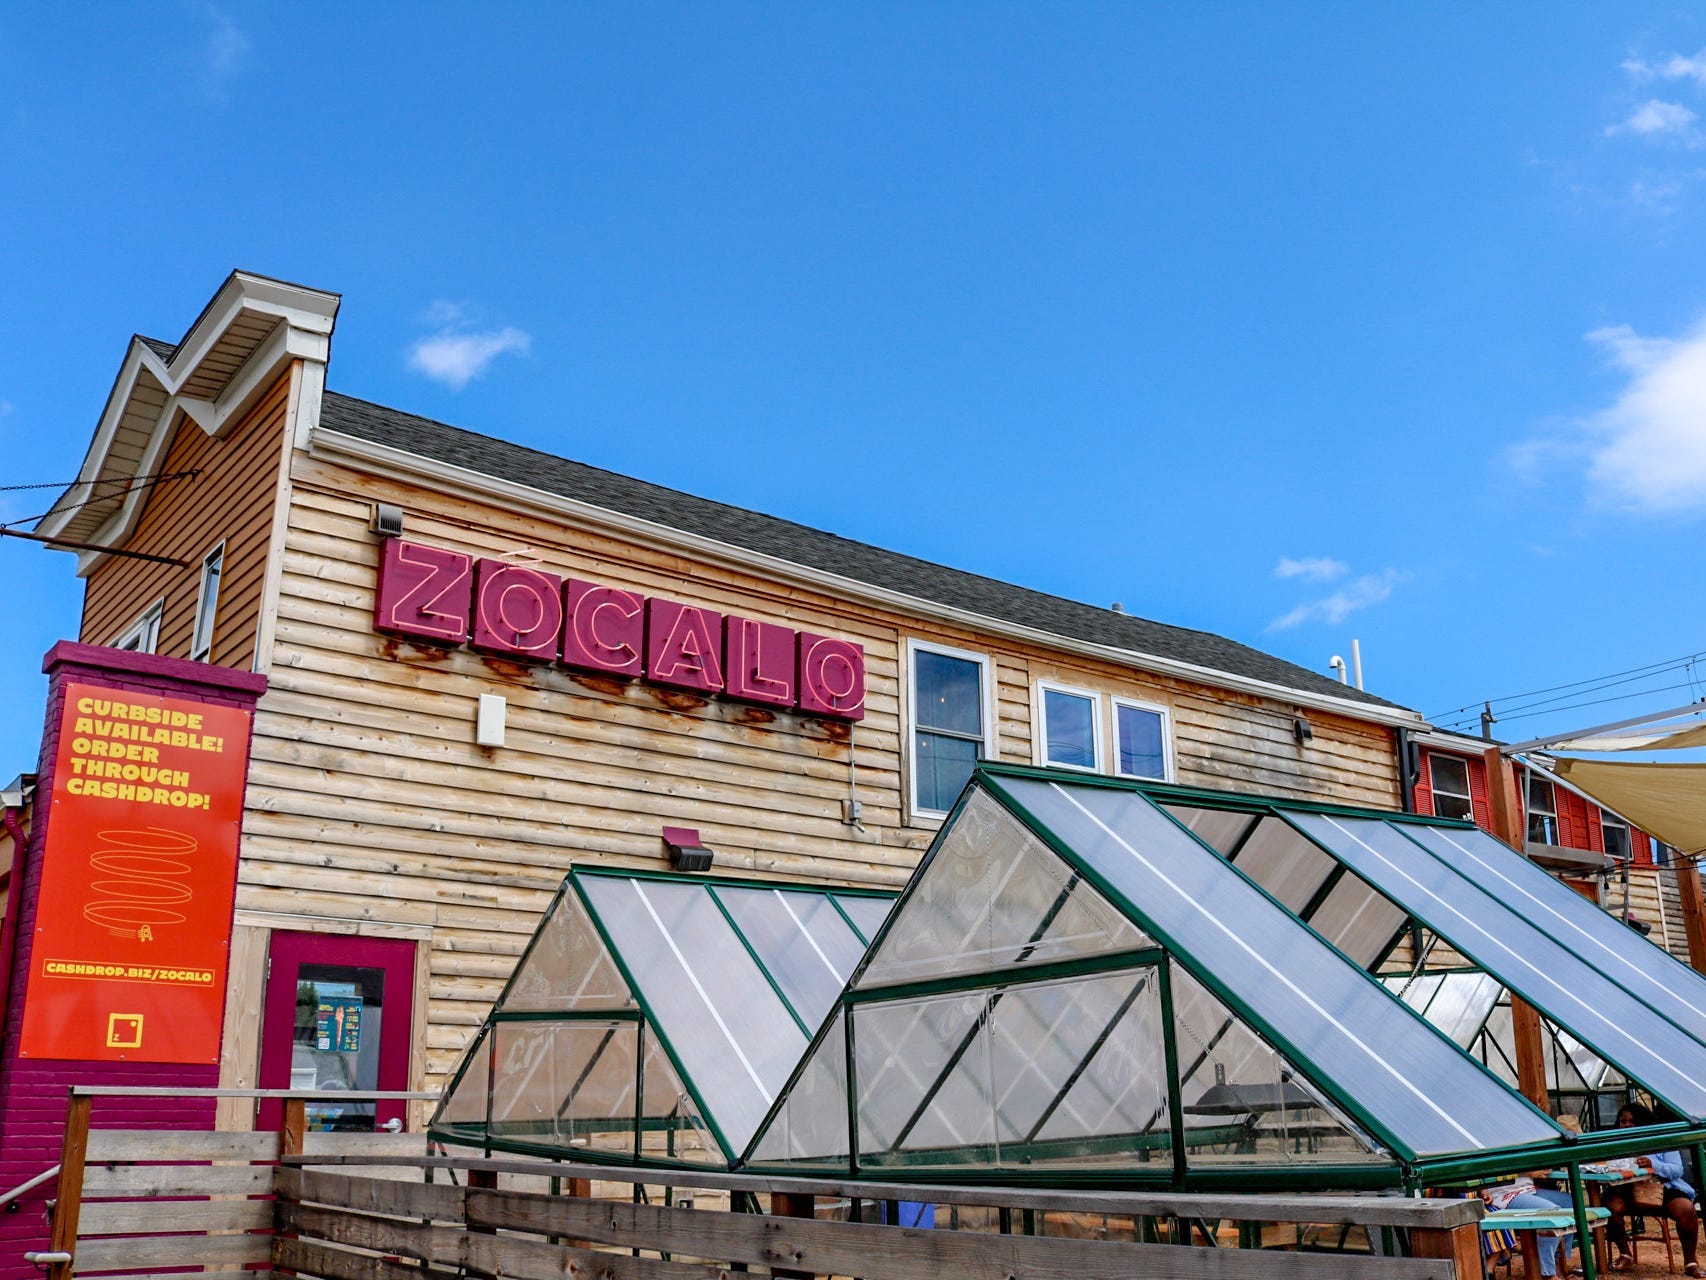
point(685, 851)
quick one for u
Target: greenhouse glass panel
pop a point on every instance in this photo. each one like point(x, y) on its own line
point(1243, 1102)
point(1329, 1015)
point(465, 1105)
point(1552, 978)
point(673, 1128)
point(1219, 829)
point(727, 1026)
point(567, 966)
point(922, 1073)
point(1357, 920)
point(810, 1127)
point(526, 1081)
point(1463, 1004)
point(1080, 1059)
point(802, 942)
point(867, 914)
point(1284, 863)
point(1602, 941)
point(993, 896)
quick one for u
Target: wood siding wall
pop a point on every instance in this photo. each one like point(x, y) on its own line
point(370, 803)
point(231, 500)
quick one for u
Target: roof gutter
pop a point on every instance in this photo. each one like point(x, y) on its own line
point(399, 464)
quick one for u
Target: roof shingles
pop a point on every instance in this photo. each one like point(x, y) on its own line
point(816, 549)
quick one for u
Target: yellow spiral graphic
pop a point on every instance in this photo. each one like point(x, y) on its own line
point(142, 876)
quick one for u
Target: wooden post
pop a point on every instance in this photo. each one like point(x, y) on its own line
point(482, 1180)
point(1510, 826)
point(1693, 911)
point(784, 1204)
point(1462, 1245)
point(68, 1206)
point(292, 1126)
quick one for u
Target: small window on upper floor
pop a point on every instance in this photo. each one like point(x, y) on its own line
point(207, 605)
point(1142, 741)
point(1616, 833)
point(143, 635)
point(1072, 726)
point(1542, 812)
point(1450, 776)
point(950, 722)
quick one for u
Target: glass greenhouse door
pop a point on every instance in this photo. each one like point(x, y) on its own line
point(337, 1017)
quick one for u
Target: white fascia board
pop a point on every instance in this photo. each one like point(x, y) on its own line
point(1455, 744)
point(258, 372)
point(399, 464)
point(138, 357)
point(306, 309)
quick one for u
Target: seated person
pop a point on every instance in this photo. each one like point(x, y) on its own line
point(1553, 1249)
point(1666, 1166)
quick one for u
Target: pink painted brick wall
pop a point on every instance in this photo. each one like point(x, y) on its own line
point(33, 1091)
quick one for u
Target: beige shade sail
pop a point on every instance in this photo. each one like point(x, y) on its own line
point(1662, 738)
point(1664, 800)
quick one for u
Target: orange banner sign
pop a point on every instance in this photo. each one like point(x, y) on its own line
point(133, 921)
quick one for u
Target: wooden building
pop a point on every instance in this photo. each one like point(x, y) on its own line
point(437, 742)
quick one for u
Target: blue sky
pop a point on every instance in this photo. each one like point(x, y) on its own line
point(1295, 323)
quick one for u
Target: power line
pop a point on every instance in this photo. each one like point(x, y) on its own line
point(1652, 668)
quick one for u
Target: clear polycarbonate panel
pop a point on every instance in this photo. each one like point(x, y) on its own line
point(705, 995)
point(1079, 1071)
point(1603, 942)
point(922, 1074)
point(1338, 1025)
point(866, 913)
point(1462, 1004)
point(1220, 829)
point(671, 1126)
point(1357, 920)
point(993, 896)
point(600, 1067)
point(465, 1104)
point(1284, 863)
point(1495, 1046)
point(1243, 1102)
point(1483, 927)
point(526, 1081)
point(567, 967)
point(802, 941)
point(811, 1124)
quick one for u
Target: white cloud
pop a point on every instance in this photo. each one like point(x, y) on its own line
point(1675, 67)
point(1655, 119)
point(1647, 451)
point(1358, 594)
point(1311, 568)
point(459, 352)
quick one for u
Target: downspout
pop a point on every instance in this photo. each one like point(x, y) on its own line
point(1409, 768)
point(14, 897)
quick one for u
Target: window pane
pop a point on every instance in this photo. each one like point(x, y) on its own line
point(943, 765)
point(1451, 787)
point(1069, 724)
point(1542, 815)
point(949, 693)
point(1142, 754)
point(1616, 835)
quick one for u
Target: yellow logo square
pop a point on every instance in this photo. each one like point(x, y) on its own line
point(124, 1031)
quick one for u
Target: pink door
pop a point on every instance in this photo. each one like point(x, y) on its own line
point(337, 1017)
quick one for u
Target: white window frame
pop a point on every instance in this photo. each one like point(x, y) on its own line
point(1530, 813)
point(207, 604)
point(1468, 795)
point(1156, 708)
point(1609, 819)
point(909, 690)
point(143, 635)
point(1098, 725)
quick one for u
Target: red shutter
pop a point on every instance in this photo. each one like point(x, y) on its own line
point(1596, 832)
point(1424, 797)
point(1640, 848)
point(1478, 794)
point(1572, 819)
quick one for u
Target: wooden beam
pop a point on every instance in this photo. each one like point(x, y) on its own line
point(1510, 825)
point(1693, 911)
point(68, 1205)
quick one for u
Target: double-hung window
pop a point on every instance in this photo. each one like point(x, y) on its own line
point(1616, 833)
point(142, 635)
point(1142, 743)
point(1542, 811)
point(1072, 726)
point(1450, 776)
point(207, 605)
point(950, 722)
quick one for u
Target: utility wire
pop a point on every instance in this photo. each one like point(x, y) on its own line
point(132, 483)
point(66, 484)
point(1650, 668)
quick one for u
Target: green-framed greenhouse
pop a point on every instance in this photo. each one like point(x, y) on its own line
point(1086, 981)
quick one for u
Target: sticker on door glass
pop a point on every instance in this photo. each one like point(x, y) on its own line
point(337, 1024)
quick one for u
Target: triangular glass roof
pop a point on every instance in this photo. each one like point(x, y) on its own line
point(655, 1017)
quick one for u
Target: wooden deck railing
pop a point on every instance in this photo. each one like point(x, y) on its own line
point(336, 1207)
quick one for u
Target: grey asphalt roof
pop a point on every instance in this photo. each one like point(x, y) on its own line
point(816, 549)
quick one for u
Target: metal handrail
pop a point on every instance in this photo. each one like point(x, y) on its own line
point(31, 1185)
